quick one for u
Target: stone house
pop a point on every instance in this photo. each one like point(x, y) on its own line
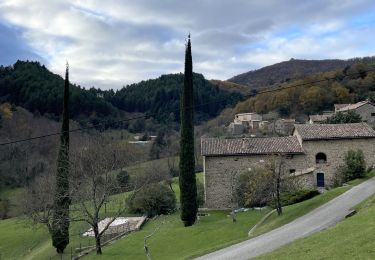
point(245, 122)
point(365, 109)
point(284, 126)
point(313, 154)
point(318, 119)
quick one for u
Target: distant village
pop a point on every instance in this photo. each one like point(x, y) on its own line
point(254, 124)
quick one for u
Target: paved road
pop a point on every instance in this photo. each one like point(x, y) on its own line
point(320, 218)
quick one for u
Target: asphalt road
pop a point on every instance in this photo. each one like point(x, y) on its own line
point(320, 218)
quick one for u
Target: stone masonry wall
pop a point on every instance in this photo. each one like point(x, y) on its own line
point(335, 151)
point(366, 111)
point(218, 172)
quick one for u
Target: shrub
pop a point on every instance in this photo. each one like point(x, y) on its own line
point(355, 165)
point(4, 208)
point(288, 198)
point(154, 199)
point(123, 180)
point(252, 188)
point(200, 194)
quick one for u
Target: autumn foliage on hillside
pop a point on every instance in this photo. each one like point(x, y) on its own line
point(349, 85)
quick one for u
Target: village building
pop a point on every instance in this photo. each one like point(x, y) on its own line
point(313, 154)
point(284, 127)
point(365, 109)
point(251, 123)
point(245, 123)
point(318, 119)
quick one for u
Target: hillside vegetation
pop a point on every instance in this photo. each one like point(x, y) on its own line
point(32, 86)
point(350, 85)
point(292, 69)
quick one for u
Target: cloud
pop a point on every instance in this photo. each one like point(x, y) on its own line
point(13, 47)
point(112, 43)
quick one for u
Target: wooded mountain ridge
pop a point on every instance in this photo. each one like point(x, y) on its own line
point(291, 70)
point(32, 86)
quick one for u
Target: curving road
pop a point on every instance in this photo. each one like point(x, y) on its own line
point(320, 218)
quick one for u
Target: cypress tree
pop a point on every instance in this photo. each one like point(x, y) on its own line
point(187, 182)
point(60, 221)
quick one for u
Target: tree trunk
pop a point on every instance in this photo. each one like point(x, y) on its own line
point(97, 240)
point(278, 200)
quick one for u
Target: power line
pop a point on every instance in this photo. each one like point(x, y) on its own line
point(279, 88)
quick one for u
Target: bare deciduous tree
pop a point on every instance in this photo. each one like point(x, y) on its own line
point(93, 184)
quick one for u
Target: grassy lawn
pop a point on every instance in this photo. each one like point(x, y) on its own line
point(171, 241)
point(294, 211)
point(352, 238)
point(17, 238)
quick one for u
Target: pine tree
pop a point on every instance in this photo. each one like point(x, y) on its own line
point(187, 181)
point(60, 221)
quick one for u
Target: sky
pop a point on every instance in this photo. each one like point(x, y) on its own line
point(112, 43)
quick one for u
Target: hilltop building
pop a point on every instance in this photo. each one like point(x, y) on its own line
point(313, 154)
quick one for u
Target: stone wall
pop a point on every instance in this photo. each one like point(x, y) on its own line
point(366, 111)
point(220, 173)
point(335, 151)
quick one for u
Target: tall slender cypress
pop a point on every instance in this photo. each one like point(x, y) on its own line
point(60, 221)
point(187, 181)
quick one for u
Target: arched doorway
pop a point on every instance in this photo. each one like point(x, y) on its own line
point(320, 179)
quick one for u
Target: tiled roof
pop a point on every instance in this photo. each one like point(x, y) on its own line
point(243, 146)
point(352, 106)
point(339, 106)
point(334, 131)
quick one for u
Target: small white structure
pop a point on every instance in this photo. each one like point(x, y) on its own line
point(118, 226)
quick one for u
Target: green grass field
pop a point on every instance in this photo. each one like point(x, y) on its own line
point(352, 238)
point(172, 241)
point(19, 240)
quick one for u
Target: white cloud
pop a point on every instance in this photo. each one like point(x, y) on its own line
point(112, 43)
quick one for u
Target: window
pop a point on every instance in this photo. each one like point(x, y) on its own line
point(292, 171)
point(372, 114)
point(321, 158)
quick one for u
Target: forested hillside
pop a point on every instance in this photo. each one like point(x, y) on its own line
point(291, 70)
point(349, 85)
point(162, 95)
point(32, 86)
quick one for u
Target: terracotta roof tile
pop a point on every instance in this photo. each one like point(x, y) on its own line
point(352, 106)
point(242, 146)
point(334, 131)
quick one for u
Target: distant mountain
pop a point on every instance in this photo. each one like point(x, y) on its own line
point(292, 69)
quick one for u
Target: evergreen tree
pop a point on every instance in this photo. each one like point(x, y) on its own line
point(60, 221)
point(187, 181)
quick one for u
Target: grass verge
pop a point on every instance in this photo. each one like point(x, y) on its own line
point(295, 211)
point(353, 238)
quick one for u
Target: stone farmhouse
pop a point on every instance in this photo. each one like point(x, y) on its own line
point(313, 154)
point(365, 109)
